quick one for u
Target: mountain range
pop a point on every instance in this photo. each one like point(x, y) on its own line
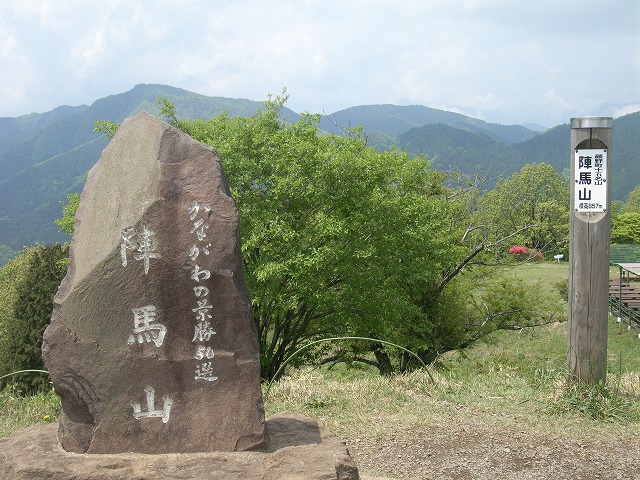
point(45, 156)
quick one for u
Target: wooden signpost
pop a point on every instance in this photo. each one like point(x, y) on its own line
point(591, 139)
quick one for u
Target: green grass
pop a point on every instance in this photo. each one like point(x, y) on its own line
point(547, 273)
point(514, 378)
point(545, 279)
point(18, 411)
point(510, 379)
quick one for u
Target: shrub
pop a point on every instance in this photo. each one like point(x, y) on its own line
point(562, 286)
point(27, 312)
point(518, 251)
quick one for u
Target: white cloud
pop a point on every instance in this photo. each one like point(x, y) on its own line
point(556, 101)
point(626, 110)
point(91, 53)
point(8, 47)
point(493, 58)
point(15, 69)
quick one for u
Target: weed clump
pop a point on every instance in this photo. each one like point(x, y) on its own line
point(601, 401)
point(19, 410)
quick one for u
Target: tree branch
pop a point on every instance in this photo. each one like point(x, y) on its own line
point(470, 229)
point(450, 275)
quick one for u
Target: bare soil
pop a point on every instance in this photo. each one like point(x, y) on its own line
point(462, 448)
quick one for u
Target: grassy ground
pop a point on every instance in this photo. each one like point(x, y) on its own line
point(510, 377)
point(18, 411)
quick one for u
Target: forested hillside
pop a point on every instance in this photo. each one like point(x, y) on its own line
point(456, 149)
point(45, 156)
point(626, 154)
point(15, 130)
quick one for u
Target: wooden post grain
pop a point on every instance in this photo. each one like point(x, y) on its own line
point(589, 253)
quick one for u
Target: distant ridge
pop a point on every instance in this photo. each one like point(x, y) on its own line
point(14, 130)
point(45, 156)
point(535, 127)
point(395, 120)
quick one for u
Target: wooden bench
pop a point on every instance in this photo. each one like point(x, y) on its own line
point(625, 294)
point(624, 299)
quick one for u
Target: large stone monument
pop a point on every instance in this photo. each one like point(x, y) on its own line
point(152, 346)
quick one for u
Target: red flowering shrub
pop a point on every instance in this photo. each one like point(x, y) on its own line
point(524, 253)
point(518, 251)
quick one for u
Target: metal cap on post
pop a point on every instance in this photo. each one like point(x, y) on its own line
point(591, 139)
point(592, 122)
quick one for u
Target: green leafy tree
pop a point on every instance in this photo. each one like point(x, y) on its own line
point(106, 127)
point(26, 310)
point(632, 205)
point(11, 275)
point(68, 214)
point(531, 207)
point(337, 239)
point(506, 304)
point(625, 228)
point(625, 219)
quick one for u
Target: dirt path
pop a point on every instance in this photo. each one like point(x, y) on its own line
point(465, 450)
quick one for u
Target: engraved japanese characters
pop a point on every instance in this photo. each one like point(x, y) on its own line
point(152, 345)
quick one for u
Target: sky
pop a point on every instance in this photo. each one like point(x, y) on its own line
point(503, 61)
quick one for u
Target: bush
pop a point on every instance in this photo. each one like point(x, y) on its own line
point(27, 287)
point(562, 286)
point(519, 252)
point(625, 228)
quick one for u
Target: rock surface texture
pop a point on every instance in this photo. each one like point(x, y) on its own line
point(300, 449)
point(152, 345)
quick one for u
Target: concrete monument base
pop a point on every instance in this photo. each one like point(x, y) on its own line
point(300, 448)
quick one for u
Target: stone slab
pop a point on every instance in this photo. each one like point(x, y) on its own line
point(300, 449)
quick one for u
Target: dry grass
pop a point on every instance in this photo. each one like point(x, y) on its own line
point(512, 380)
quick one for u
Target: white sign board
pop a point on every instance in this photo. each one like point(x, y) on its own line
point(590, 180)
